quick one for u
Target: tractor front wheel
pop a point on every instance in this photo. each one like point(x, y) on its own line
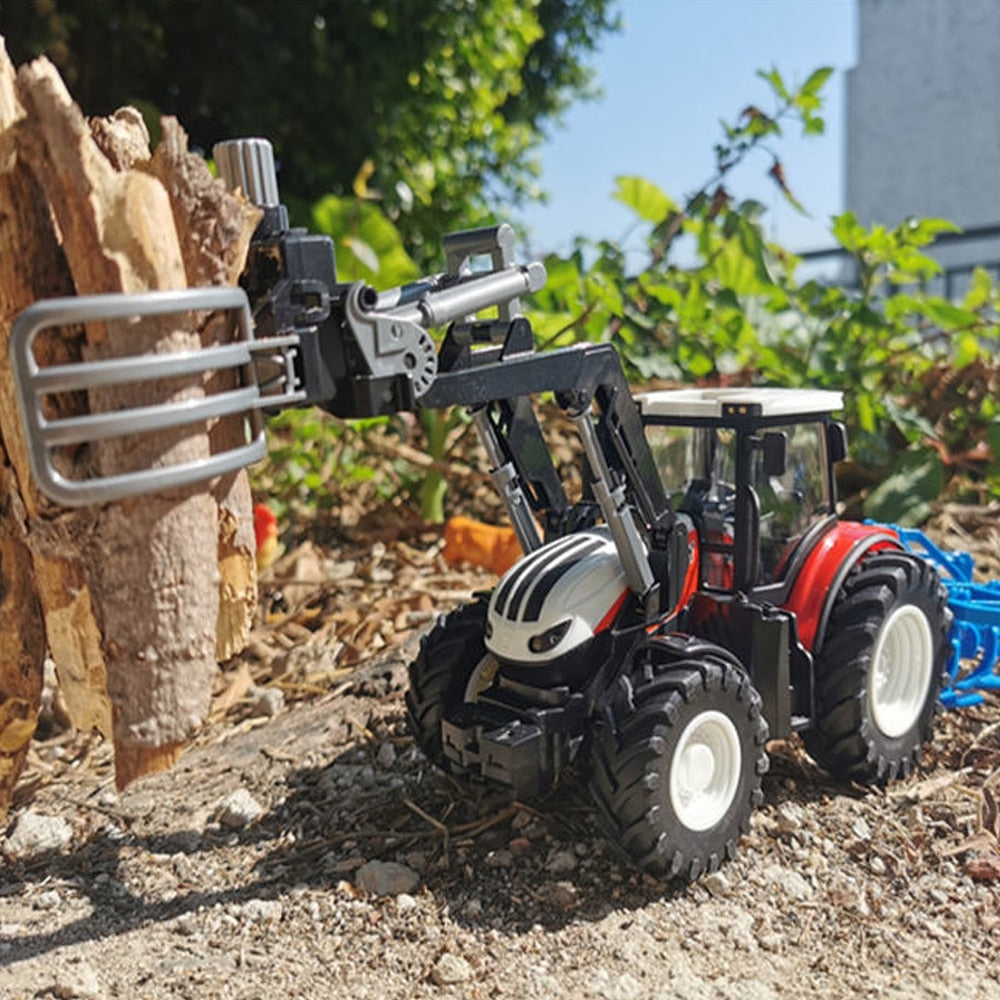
point(880, 668)
point(452, 667)
point(677, 757)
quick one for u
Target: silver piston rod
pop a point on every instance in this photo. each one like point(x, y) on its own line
point(617, 514)
point(507, 483)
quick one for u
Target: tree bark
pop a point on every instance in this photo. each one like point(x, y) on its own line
point(134, 613)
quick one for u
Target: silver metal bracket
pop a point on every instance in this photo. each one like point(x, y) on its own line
point(264, 378)
point(392, 344)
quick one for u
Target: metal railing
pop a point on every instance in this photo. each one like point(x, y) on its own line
point(951, 283)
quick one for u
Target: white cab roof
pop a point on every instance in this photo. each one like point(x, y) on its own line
point(709, 402)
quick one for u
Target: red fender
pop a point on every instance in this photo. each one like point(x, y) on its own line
point(690, 585)
point(825, 569)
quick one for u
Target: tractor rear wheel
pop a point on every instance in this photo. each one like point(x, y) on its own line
point(880, 668)
point(451, 668)
point(677, 757)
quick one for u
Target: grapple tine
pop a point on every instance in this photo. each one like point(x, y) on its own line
point(45, 435)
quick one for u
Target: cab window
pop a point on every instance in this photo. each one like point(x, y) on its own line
point(698, 468)
point(792, 503)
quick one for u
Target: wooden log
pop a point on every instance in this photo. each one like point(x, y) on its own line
point(214, 229)
point(23, 642)
point(134, 612)
point(45, 600)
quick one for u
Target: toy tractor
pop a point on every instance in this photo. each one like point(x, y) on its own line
point(660, 670)
point(653, 636)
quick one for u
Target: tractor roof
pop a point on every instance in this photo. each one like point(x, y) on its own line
point(754, 402)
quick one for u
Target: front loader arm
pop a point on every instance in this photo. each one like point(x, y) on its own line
point(298, 337)
point(303, 338)
point(590, 385)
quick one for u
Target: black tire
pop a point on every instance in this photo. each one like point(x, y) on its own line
point(873, 715)
point(439, 677)
point(642, 754)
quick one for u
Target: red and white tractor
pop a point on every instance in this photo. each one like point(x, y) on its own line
point(659, 662)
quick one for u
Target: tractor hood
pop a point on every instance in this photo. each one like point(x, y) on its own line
point(555, 599)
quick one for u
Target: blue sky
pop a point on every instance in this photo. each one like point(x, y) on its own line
point(677, 68)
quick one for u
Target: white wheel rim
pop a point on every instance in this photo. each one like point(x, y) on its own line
point(705, 770)
point(902, 662)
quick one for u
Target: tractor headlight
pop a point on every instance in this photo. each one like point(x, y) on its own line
point(550, 638)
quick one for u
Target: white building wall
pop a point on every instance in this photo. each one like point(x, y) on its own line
point(923, 115)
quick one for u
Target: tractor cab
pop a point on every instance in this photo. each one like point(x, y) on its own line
point(753, 470)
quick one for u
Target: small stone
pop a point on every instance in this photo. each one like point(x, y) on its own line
point(238, 810)
point(405, 903)
point(499, 859)
point(876, 866)
point(772, 941)
point(35, 834)
point(473, 909)
point(417, 860)
point(450, 969)
point(625, 987)
point(791, 883)
point(47, 900)
point(78, 982)
point(860, 829)
point(717, 885)
point(261, 911)
point(561, 862)
point(386, 756)
point(266, 702)
point(790, 817)
point(521, 820)
point(740, 929)
point(561, 895)
point(386, 878)
point(187, 925)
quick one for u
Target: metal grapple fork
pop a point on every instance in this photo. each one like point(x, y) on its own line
point(262, 376)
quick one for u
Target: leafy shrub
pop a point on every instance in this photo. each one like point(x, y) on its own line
point(717, 303)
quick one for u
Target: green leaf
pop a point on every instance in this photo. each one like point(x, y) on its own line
point(966, 350)
point(946, 315)
point(920, 232)
point(816, 80)
point(906, 494)
point(644, 198)
point(773, 77)
point(980, 289)
point(847, 231)
point(369, 245)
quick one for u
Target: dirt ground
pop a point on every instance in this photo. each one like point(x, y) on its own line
point(304, 848)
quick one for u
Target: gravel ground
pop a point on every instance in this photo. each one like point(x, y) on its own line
point(315, 854)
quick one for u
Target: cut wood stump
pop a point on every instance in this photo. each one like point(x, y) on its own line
point(134, 601)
